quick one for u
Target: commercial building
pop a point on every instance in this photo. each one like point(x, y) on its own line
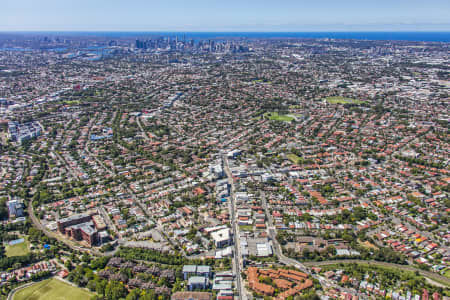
point(84, 231)
point(198, 282)
point(22, 132)
point(221, 237)
point(79, 227)
point(193, 270)
point(15, 208)
point(259, 247)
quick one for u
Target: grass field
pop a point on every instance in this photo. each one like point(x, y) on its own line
point(72, 102)
point(294, 158)
point(52, 289)
point(261, 81)
point(246, 227)
point(342, 100)
point(18, 249)
point(367, 244)
point(447, 273)
point(276, 117)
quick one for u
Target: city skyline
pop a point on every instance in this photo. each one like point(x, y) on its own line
point(232, 16)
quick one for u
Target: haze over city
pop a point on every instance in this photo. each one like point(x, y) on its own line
point(202, 15)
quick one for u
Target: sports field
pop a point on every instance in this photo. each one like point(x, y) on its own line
point(342, 100)
point(276, 117)
point(19, 249)
point(52, 289)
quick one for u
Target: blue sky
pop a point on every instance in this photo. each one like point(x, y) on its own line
point(225, 15)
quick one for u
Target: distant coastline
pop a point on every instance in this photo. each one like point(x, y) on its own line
point(423, 36)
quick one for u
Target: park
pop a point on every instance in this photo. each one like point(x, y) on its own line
point(342, 100)
point(52, 289)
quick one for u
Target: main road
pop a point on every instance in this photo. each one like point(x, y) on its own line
point(238, 261)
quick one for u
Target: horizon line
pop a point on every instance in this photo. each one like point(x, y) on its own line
point(226, 31)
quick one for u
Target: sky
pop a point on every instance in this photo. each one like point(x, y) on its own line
point(225, 15)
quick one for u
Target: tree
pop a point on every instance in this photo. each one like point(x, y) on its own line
point(306, 253)
point(115, 290)
point(133, 295)
point(3, 209)
point(68, 265)
point(99, 263)
point(311, 295)
point(91, 285)
point(265, 279)
point(149, 295)
point(100, 286)
point(331, 250)
point(359, 213)
point(85, 258)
